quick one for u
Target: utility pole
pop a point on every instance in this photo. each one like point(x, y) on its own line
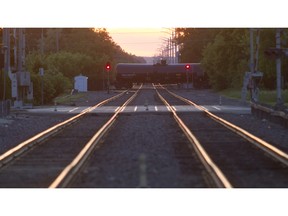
point(252, 78)
point(42, 42)
point(257, 50)
point(279, 102)
point(108, 68)
point(15, 49)
point(169, 49)
point(175, 48)
point(41, 70)
point(57, 40)
point(6, 49)
point(41, 73)
point(252, 62)
point(20, 49)
point(187, 67)
point(172, 48)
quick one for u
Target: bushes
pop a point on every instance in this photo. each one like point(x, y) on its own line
point(54, 81)
point(69, 64)
point(225, 54)
point(65, 53)
point(53, 85)
point(226, 58)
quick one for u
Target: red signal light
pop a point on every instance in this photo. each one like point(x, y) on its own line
point(187, 67)
point(108, 66)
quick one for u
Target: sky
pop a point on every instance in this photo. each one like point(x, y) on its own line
point(138, 27)
point(140, 41)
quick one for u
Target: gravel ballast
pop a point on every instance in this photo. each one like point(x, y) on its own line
point(22, 125)
point(18, 127)
point(272, 133)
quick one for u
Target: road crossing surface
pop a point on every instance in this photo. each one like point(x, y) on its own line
point(144, 108)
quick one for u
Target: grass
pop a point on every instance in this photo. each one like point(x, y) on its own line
point(231, 93)
point(265, 96)
point(68, 99)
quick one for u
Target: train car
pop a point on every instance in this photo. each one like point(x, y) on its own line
point(127, 74)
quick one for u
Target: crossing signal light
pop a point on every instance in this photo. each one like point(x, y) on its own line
point(108, 66)
point(187, 66)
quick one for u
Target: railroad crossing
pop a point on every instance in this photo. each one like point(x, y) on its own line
point(146, 108)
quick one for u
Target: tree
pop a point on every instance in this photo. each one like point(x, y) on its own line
point(192, 41)
point(69, 52)
point(227, 58)
point(225, 54)
point(268, 66)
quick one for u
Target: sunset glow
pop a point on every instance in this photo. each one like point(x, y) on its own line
point(139, 41)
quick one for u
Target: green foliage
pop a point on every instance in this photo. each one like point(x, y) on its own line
point(68, 52)
point(68, 99)
point(53, 85)
point(225, 59)
point(265, 96)
point(270, 97)
point(34, 61)
point(225, 54)
point(55, 82)
point(192, 42)
point(69, 64)
point(268, 66)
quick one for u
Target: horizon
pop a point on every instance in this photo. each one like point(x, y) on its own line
point(141, 42)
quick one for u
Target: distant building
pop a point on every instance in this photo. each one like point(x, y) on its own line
point(80, 83)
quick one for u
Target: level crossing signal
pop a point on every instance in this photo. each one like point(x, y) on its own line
point(187, 66)
point(108, 66)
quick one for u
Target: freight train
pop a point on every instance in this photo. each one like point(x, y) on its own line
point(129, 73)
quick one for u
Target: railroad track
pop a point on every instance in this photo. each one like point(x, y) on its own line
point(145, 150)
point(160, 151)
point(38, 160)
point(214, 172)
point(245, 160)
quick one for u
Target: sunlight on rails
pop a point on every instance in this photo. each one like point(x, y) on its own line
point(40, 137)
point(214, 171)
point(71, 170)
point(260, 143)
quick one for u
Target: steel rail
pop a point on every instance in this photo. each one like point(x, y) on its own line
point(69, 172)
point(40, 137)
point(273, 151)
point(217, 175)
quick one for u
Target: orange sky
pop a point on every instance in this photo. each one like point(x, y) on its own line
point(140, 41)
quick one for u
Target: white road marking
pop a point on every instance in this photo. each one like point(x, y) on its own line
point(216, 107)
point(135, 108)
point(73, 109)
point(156, 108)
